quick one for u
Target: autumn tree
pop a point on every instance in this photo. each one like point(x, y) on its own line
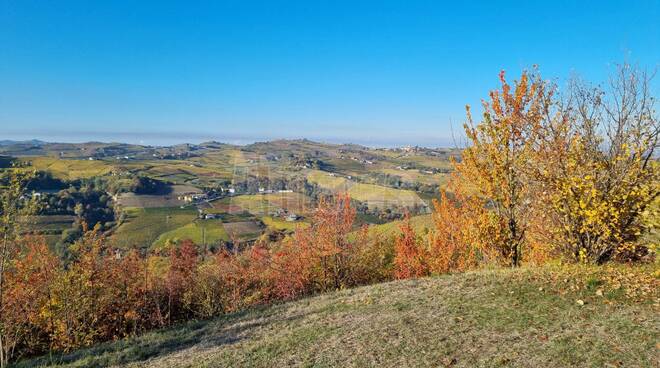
point(180, 278)
point(78, 297)
point(320, 257)
point(327, 242)
point(466, 233)
point(27, 290)
point(500, 147)
point(596, 168)
point(410, 256)
point(14, 210)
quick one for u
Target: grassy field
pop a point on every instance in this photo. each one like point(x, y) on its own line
point(264, 204)
point(329, 182)
point(420, 224)
point(374, 195)
point(255, 204)
point(200, 231)
point(379, 196)
point(71, 169)
point(144, 225)
point(414, 176)
point(244, 230)
point(493, 318)
point(277, 223)
point(293, 202)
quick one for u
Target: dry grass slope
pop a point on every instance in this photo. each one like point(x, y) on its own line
point(499, 318)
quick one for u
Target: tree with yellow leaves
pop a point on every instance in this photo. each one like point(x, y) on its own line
point(595, 169)
point(495, 163)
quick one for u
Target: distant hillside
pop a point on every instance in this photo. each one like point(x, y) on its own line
point(9, 142)
point(504, 318)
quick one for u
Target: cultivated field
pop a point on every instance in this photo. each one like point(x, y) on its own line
point(149, 200)
point(264, 204)
point(144, 225)
point(244, 230)
point(373, 195)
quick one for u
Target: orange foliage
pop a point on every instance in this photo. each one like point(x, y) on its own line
point(494, 165)
point(410, 258)
point(465, 234)
point(27, 286)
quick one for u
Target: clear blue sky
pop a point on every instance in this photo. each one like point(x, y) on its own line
point(374, 72)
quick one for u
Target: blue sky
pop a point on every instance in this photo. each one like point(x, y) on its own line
point(371, 72)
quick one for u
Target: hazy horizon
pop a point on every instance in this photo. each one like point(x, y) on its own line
point(239, 141)
point(375, 73)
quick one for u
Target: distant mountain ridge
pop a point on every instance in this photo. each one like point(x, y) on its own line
point(9, 142)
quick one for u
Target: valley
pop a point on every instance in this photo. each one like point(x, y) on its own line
point(218, 194)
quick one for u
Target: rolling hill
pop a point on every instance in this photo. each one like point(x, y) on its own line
point(491, 318)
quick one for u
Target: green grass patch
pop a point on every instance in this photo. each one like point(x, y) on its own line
point(421, 224)
point(200, 231)
point(280, 224)
point(144, 225)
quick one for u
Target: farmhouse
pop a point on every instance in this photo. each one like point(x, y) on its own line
point(191, 197)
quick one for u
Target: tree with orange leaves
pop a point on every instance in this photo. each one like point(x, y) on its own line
point(180, 278)
point(464, 234)
point(493, 166)
point(326, 243)
point(318, 258)
point(14, 211)
point(28, 286)
point(410, 257)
